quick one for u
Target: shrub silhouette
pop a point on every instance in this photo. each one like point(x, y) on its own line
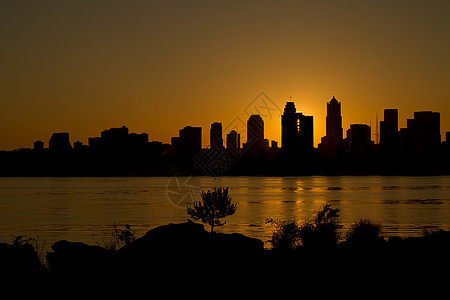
point(286, 236)
point(114, 237)
point(214, 206)
point(364, 233)
point(125, 236)
point(322, 230)
point(39, 246)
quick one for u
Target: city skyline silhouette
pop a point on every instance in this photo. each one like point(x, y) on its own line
point(81, 68)
point(390, 119)
point(414, 149)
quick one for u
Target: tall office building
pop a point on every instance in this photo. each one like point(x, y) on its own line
point(334, 123)
point(190, 142)
point(359, 139)
point(389, 134)
point(424, 131)
point(233, 141)
point(59, 142)
point(255, 135)
point(297, 131)
point(332, 144)
point(255, 130)
point(215, 136)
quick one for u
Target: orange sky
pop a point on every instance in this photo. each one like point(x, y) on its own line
point(157, 66)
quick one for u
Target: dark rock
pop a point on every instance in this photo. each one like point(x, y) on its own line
point(186, 246)
point(235, 244)
point(78, 258)
point(167, 238)
point(20, 259)
point(163, 247)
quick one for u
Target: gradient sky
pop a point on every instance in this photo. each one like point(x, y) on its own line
point(157, 66)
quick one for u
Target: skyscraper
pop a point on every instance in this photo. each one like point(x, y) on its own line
point(297, 132)
point(233, 141)
point(359, 140)
point(114, 139)
point(389, 134)
point(334, 123)
point(332, 144)
point(59, 142)
point(255, 135)
point(190, 142)
point(215, 136)
point(424, 131)
point(289, 128)
point(255, 129)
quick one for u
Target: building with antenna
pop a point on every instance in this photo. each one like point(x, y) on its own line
point(297, 131)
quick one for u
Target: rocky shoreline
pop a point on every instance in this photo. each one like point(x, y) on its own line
point(186, 251)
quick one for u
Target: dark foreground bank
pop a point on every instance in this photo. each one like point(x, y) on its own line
point(186, 252)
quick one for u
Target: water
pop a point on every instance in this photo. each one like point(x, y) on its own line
point(83, 209)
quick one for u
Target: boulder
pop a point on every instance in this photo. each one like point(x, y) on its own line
point(235, 245)
point(19, 260)
point(78, 258)
point(163, 246)
point(186, 246)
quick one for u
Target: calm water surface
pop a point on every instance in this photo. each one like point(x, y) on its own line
point(82, 209)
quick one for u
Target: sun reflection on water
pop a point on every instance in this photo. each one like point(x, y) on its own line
point(76, 208)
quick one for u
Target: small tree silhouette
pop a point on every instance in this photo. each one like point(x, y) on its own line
point(215, 205)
